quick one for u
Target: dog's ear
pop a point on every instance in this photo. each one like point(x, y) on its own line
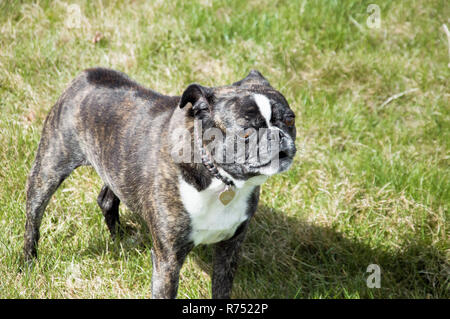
point(253, 78)
point(199, 96)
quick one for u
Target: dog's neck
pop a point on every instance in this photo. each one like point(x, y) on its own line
point(209, 164)
point(200, 175)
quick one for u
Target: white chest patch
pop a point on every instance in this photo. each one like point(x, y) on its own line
point(211, 221)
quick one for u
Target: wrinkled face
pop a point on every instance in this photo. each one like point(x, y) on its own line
point(248, 127)
point(261, 127)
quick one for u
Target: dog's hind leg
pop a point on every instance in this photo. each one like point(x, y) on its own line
point(54, 162)
point(109, 203)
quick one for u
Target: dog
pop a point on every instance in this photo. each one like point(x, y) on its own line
point(125, 132)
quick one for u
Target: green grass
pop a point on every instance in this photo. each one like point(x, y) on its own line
point(370, 184)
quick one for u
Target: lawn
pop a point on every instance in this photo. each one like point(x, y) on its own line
point(370, 182)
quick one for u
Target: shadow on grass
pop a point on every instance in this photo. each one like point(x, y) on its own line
point(285, 257)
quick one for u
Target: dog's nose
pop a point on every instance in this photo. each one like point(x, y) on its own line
point(287, 150)
point(287, 146)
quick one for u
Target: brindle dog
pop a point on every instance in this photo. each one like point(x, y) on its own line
point(123, 130)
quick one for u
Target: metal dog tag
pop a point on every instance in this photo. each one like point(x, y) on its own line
point(227, 195)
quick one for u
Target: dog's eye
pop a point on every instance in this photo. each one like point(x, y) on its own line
point(289, 121)
point(246, 133)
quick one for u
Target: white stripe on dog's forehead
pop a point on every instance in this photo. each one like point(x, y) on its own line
point(264, 107)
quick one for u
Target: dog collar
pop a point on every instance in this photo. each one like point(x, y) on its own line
point(227, 195)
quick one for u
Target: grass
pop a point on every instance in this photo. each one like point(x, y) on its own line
point(370, 184)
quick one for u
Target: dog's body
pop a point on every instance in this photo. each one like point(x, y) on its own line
point(123, 130)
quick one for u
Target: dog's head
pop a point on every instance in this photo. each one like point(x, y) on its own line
point(248, 127)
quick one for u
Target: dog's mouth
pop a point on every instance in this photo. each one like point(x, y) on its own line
point(282, 156)
point(278, 163)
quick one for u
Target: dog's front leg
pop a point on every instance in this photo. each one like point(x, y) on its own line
point(167, 264)
point(226, 256)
